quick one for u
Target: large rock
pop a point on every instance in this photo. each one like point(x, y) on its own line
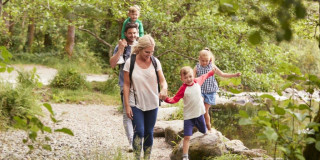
point(159, 128)
point(214, 144)
point(174, 132)
point(211, 144)
point(164, 113)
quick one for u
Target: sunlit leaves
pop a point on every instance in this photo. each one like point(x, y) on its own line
point(255, 37)
point(229, 6)
point(65, 130)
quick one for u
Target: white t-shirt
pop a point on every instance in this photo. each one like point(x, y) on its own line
point(144, 82)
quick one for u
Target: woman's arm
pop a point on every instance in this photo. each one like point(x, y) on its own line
point(226, 75)
point(126, 90)
point(163, 84)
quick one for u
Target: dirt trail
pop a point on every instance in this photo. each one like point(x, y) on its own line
point(98, 133)
point(98, 129)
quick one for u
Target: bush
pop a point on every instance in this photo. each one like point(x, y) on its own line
point(16, 102)
point(28, 79)
point(69, 78)
point(109, 87)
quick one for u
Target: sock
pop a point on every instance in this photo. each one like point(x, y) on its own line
point(185, 156)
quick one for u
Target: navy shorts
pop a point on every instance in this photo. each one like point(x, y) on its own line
point(209, 98)
point(197, 122)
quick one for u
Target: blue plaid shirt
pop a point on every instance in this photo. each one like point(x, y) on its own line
point(210, 84)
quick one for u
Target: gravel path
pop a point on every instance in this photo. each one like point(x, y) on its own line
point(99, 134)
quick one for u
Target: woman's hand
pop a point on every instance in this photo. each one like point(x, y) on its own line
point(129, 113)
point(163, 94)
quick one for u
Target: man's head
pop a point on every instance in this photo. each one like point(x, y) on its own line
point(130, 32)
point(134, 13)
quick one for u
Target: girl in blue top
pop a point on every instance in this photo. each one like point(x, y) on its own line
point(210, 85)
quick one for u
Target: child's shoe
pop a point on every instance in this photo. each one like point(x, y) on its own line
point(185, 158)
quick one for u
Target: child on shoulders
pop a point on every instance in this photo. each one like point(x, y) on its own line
point(134, 13)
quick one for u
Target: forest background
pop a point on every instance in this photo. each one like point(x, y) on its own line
point(265, 40)
point(88, 31)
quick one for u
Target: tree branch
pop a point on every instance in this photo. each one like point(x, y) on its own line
point(99, 39)
point(175, 52)
point(5, 2)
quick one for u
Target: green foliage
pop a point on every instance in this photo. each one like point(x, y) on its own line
point(32, 125)
point(225, 118)
point(16, 102)
point(109, 87)
point(5, 57)
point(178, 115)
point(228, 157)
point(29, 79)
point(288, 124)
point(69, 78)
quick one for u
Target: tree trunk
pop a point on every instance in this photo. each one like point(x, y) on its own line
point(0, 8)
point(30, 35)
point(70, 40)
point(47, 40)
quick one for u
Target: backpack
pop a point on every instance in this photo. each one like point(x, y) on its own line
point(154, 63)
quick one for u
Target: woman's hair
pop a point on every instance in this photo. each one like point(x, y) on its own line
point(206, 52)
point(185, 70)
point(143, 42)
point(134, 9)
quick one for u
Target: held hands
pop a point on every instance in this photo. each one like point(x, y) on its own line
point(163, 94)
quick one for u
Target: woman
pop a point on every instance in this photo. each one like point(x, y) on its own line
point(141, 95)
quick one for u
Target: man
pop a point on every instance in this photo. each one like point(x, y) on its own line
point(124, 49)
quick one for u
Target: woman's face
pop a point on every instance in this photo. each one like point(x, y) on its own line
point(146, 53)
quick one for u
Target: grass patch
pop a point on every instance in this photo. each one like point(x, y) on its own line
point(179, 114)
point(84, 63)
point(81, 96)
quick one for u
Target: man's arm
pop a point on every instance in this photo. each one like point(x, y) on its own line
point(114, 59)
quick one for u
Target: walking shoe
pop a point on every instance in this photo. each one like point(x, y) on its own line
point(185, 158)
point(130, 148)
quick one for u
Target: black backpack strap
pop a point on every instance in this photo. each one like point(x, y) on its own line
point(154, 62)
point(132, 62)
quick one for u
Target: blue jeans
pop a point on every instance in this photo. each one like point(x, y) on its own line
point(143, 123)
